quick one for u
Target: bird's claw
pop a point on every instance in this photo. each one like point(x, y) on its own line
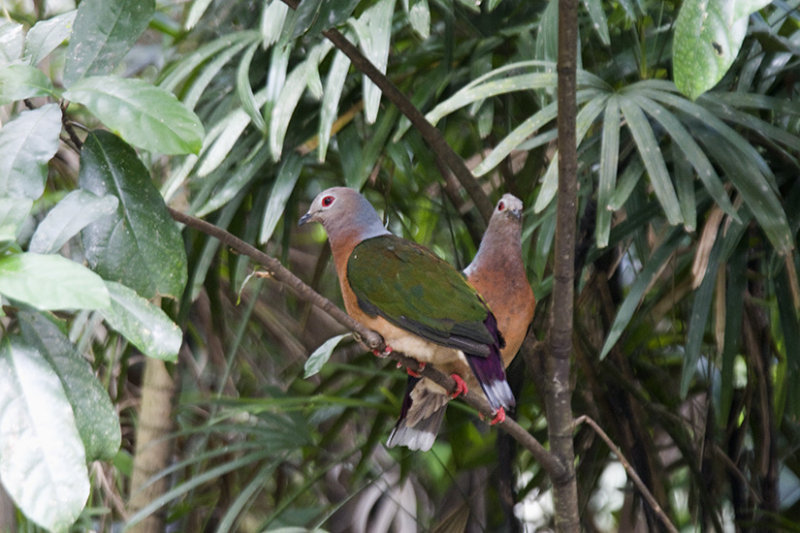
point(386, 351)
point(461, 387)
point(499, 416)
point(415, 373)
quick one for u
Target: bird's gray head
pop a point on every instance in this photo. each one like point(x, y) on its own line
point(343, 210)
point(509, 205)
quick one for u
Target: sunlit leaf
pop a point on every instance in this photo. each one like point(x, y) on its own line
point(95, 416)
point(196, 12)
point(104, 31)
point(599, 21)
point(27, 143)
point(144, 115)
point(73, 213)
point(330, 100)
point(245, 91)
point(23, 81)
point(374, 31)
point(272, 19)
point(321, 355)
point(46, 35)
point(142, 323)
point(51, 282)
point(11, 39)
point(281, 189)
point(43, 463)
point(419, 15)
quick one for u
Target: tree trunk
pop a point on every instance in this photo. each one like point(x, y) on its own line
point(152, 444)
point(559, 394)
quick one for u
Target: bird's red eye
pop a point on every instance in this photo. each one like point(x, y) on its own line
point(501, 206)
point(327, 201)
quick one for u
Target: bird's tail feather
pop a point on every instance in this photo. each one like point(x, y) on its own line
point(492, 378)
point(420, 417)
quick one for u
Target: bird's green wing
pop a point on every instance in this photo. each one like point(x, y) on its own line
point(412, 288)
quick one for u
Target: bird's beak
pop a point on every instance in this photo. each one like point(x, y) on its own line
point(305, 218)
point(517, 213)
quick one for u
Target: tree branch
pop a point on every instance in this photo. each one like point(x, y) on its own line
point(370, 338)
point(429, 132)
point(629, 470)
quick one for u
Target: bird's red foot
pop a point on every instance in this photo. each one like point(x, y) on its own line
point(461, 387)
point(499, 416)
point(416, 373)
point(384, 353)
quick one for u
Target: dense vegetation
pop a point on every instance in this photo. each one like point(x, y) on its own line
point(147, 377)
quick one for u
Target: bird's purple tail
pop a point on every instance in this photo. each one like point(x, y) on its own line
point(490, 372)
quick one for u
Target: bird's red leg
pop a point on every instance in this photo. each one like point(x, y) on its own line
point(384, 353)
point(499, 416)
point(416, 374)
point(461, 387)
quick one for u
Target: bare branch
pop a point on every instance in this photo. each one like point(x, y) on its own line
point(370, 338)
point(629, 470)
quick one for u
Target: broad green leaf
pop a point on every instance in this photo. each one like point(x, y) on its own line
point(104, 31)
point(626, 311)
point(13, 212)
point(73, 213)
point(330, 100)
point(11, 40)
point(43, 463)
point(27, 143)
point(321, 355)
point(20, 81)
point(609, 158)
point(51, 282)
point(142, 323)
point(95, 416)
point(245, 91)
point(144, 115)
point(140, 245)
point(281, 190)
point(374, 31)
point(47, 35)
point(708, 36)
point(650, 153)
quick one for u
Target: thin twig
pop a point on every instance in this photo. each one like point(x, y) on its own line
point(629, 470)
point(433, 137)
point(369, 337)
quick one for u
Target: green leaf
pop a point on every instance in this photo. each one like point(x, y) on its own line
point(708, 36)
point(609, 158)
point(281, 189)
point(272, 19)
point(599, 21)
point(245, 91)
point(47, 35)
point(95, 416)
point(73, 213)
point(104, 32)
point(330, 100)
point(142, 323)
point(419, 15)
point(11, 39)
point(374, 31)
point(13, 212)
point(321, 355)
point(144, 115)
point(196, 12)
point(140, 245)
point(626, 311)
point(701, 307)
point(23, 81)
point(653, 159)
point(51, 282)
point(43, 463)
point(27, 143)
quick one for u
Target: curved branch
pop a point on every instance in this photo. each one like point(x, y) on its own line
point(371, 339)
